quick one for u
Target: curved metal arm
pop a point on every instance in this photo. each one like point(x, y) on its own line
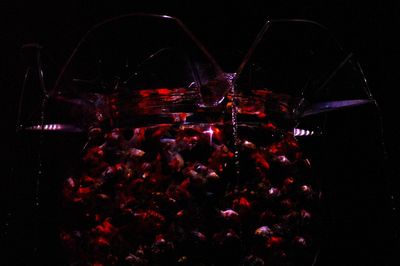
point(177, 21)
point(265, 28)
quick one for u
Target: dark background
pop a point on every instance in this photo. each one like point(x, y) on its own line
point(369, 29)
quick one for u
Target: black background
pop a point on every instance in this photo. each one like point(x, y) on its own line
point(369, 29)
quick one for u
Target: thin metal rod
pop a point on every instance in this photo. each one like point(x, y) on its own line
point(334, 72)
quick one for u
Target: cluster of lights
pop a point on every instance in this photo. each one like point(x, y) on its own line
point(297, 132)
point(54, 127)
point(46, 127)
